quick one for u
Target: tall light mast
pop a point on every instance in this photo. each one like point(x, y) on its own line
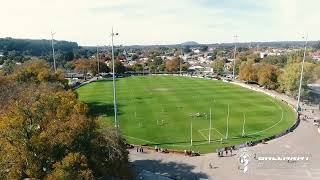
point(114, 81)
point(234, 57)
point(302, 69)
point(98, 63)
point(53, 56)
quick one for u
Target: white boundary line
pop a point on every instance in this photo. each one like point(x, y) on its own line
point(154, 142)
point(268, 127)
point(140, 139)
point(203, 135)
point(200, 131)
point(212, 129)
point(258, 132)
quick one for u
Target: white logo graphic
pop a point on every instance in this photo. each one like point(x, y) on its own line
point(244, 159)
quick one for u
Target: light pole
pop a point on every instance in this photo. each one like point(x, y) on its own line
point(181, 55)
point(98, 61)
point(234, 57)
point(302, 68)
point(209, 139)
point(114, 82)
point(54, 59)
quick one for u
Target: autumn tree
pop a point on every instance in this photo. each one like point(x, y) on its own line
point(73, 166)
point(248, 73)
point(268, 76)
point(218, 66)
point(82, 66)
point(38, 71)
point(42, 125)
point(46, 133)
point(173, 65)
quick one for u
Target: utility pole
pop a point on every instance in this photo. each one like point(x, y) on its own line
point(302, 68)
point(234, 57)
point(98, 61)
point(53, 56)
point(114, 81)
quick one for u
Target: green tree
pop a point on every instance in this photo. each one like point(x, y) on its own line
point(279, 61)
point(237, 66)
point(119, 68)
point(8, 66)
point(137, 67)
point(69, 66)
point(291, 77)
point(316, 73)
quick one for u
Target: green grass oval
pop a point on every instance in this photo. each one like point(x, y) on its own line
point(156, 110)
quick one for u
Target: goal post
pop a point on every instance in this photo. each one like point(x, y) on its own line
point(243, 125)
point(227, 133)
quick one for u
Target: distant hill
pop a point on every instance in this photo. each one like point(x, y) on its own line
point(190, 43)
point(35, 47)
point(20, 50)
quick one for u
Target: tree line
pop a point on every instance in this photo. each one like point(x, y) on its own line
point(281, 73)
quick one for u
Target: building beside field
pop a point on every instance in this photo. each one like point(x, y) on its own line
point(314, 90)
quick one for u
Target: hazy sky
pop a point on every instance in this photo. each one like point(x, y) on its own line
point(89, 22)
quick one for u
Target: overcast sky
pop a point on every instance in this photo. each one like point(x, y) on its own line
point(89, 22)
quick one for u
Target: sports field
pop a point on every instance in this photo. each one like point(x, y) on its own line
point(159, 110)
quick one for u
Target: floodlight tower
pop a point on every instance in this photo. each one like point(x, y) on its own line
point(114, 81)
point(302, 69)
point(234, 57)
point(98, 63)
point(53, 56)
point(181, 58)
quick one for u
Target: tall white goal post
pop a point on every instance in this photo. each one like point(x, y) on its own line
point(227, 133)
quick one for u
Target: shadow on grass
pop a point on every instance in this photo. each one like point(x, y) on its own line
point(103, 109)
point(173, 170)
